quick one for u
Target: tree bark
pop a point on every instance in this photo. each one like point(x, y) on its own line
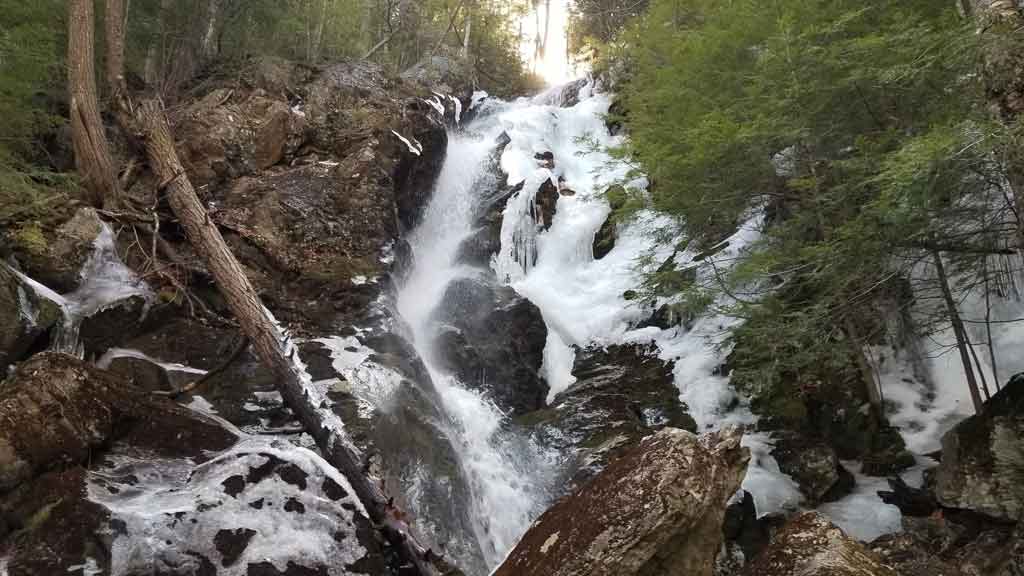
point(273, 346)
point(958, 330)
point(469, 27)
point(208, 46)
point(92, 154)
point(115, 26)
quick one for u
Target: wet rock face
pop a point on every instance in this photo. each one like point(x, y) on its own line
point(621, 394)
point(25, 317)
point(390, 408)
point(493, 340)
point(655, 511)
point(814, 466)
point(982, 467)
point(810, 545)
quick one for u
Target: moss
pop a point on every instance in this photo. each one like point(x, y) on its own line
point(30, 239)
point(542, 416)
point(41, 515)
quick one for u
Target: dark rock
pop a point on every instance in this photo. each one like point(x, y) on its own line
point(55, 409)
point(112, 324)
point(26, 318)
point(810, 545)
point(54, 526)
point(493, 340)
point(621, 394)
point(655, 511)
point(545, 202)
point(742, 528)
point(232, 543)
point(910, 501)
point(668, 316)
point(982, 467)
point(604, 239)
point(812, 463)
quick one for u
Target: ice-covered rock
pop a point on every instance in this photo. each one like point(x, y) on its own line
point(262, 506)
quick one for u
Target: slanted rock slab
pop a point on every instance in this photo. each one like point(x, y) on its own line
point(657, 510)
point(810, 545)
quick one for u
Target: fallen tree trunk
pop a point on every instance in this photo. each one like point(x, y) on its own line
point(272, 344)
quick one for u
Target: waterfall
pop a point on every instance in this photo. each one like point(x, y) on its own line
point(504, 472)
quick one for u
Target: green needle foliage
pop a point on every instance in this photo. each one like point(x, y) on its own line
point(862, 134)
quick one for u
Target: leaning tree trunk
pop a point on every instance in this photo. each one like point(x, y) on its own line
point(92, 155)
point(115, 24)
point(273, 347)
point(962, 342)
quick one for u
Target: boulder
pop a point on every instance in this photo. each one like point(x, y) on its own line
point(655, 511)
point(447, 74)
point(982, 465)
point(810, 545)
point(26, 317)
point(55, 409)
point(814, 466)
point(952, 544)
point(493, 340)
point(55, 257)
point(228, 134)
point(622, 393)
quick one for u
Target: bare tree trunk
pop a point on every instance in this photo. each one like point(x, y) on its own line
point(274, 348)
point(115, 25)
point(92, 154)
point(152, 69)
point(547, 24)
point(958, 330)
point(208, 46)
point(318, 34)
point(469, 26)
point(988, 328)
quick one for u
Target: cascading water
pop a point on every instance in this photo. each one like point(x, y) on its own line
point(502, 470)
point(104, 281)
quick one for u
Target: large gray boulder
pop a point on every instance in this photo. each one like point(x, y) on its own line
point(982, 468)
point(810, 545)
point(656, 511)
